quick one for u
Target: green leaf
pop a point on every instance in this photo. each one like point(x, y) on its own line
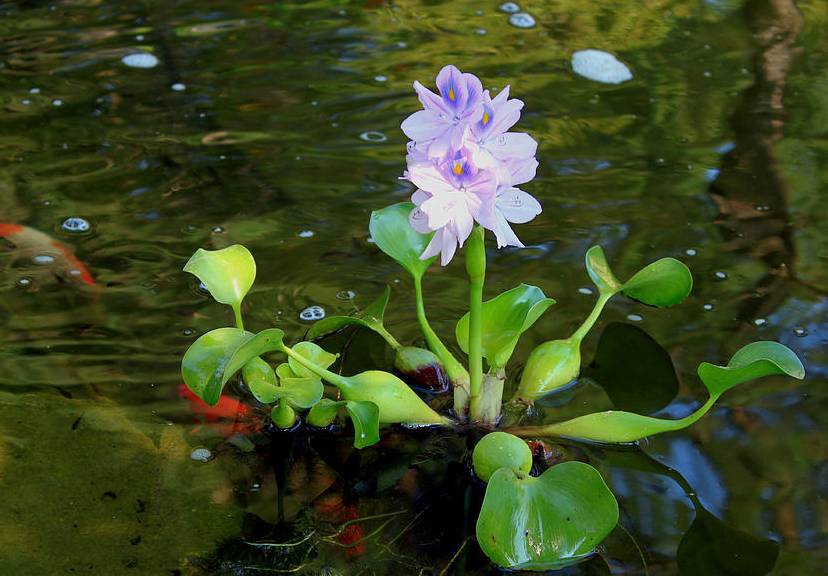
point(227, 273)
point(261, 380)
point(313, 353)
point(498, 450)
point(203, 364)
point(663, 283)
point(371, 317)
point(505, 318)
point(550, 366)
point(753, 361)
point(394, 235)
point(599, 271)
point(324, 412)
point(544, 523)
point(262, 343)
point(365, 417)
point(301, 392)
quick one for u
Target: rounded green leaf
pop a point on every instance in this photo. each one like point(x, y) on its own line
point(505, 318)
point(261, 380)
point(371, 317)
point(283, 416)
point(227, 273)
point(394, 235)
point(498, 450)
point(547, 522)
point(365, 418)
point(204, 362)
point(663, 283)
point(600, 272)
point(324, 412)
point(752, 361)
point(313, 353)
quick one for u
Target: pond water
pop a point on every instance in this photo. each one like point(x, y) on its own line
point(135, 133)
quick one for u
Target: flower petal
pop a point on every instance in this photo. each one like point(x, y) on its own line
point(520, 171)
point(424, 125)
point(429, 179)
point(449, 247)
point(419, 221)
point(504, 234)
point(430, 101)
point(504, 117)
point(439, 209)
point(434, 246)
point(513, 145)
point(419, 197)
point(516, 206)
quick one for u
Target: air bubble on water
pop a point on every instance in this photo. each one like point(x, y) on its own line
point(635, 318)
point(691, 252)
point(57, 102)
point(481, 31)
point(719, 275)
point(312, 313)
point(600, 66)
point(43, 259)
point(346, 295)
point(140, 60)
point(24, 281)
point(75, 272)
point(762, 208)
point(75, 224)
point(178, 87)
point(522, 20)
point(34, 91)
point(25, 102)
point(760, 322)
point(509, 7)
point(139, 37)
point(585, 290)
point(188, 331)
point(201, 455)
point(707, 74)
point(373, 136)
point(708, 307)
point(306, 234)
point(800, 332)
point(218, 230)
point(380, 78)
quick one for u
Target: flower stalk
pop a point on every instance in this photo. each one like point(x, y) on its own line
point(476, 270)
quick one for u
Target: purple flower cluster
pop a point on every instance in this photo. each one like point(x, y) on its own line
point(466, 164)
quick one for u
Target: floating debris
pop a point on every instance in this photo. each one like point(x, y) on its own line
point(140, 60)
point(373, 136)
point(75, 224)
point(522, 20)
point(201, 455)
point(600, 66)
point(509, 8)
point(312, 313)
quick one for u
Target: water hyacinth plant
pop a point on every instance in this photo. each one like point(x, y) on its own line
point(466, 165)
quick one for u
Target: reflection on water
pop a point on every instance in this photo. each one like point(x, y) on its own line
point(165, 127)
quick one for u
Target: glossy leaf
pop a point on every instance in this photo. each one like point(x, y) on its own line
point(599, 271)
point(301, 392)
point(371, 317)
point(753, 361)
point(397, 402)
point(636, 372)
point(548, 522)
point(283, 416)
point(324, 412)
point(313, 353)
point(265, 341)
point(498, 450)
point(394, 235)
point(663, 283)
point(261, 380)
point(203, 364)
point(365, 418)
point(227, 273)
point(505, 318)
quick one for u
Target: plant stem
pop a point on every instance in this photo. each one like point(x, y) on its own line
point(336, 379)
point(456, 372)
point(476, 270)
point(283, 416)
point(579, 334)
point(237, 312)
point(388, 337)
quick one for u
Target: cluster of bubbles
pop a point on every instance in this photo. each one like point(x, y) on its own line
point(517, 18)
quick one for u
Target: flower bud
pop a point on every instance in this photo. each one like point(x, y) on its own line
point(283, 415)
point(500, 450)
point(551, 365)
point(420, 367)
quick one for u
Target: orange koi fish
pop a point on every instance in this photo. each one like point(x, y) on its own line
point(227, 417)
point(30, 243)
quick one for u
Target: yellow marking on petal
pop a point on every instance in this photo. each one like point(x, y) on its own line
point(452, 96)
point(485, 118)
point(458, 168)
